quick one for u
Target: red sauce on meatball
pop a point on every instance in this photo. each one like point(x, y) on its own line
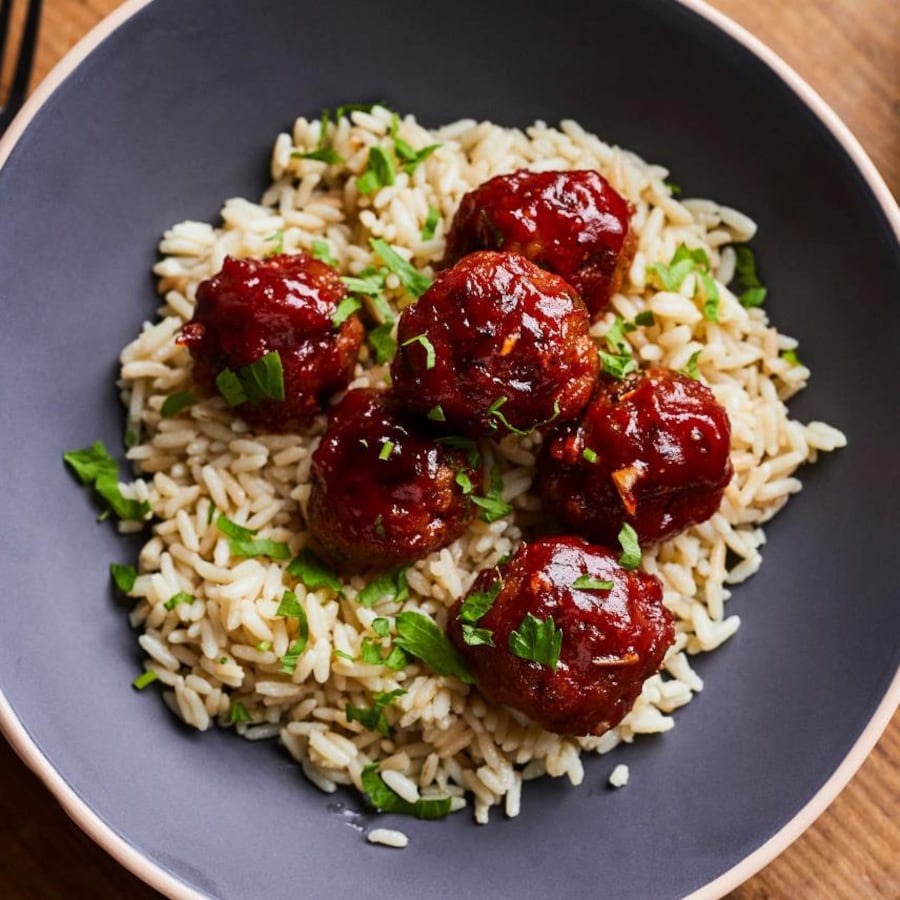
point(652, 451)
point(284, 303)
point(572, 223)
point(385, 491)
point(495, 342)
point(614, 634)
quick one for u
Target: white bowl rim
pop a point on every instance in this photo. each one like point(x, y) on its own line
point(167, 883)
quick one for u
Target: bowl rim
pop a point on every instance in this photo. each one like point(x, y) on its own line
point(169, 884)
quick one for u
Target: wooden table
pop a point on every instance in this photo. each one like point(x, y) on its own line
point(849, 50)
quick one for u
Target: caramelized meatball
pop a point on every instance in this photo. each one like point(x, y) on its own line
point(612, 628)
point(385, 492)
point(284, 303)
point(572, 223)
point(495, 345)
point(651, 451)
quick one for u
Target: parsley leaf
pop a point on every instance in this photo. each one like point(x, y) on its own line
point(237, 712)
point(345, 309)
point(492, 505)
point(586, 583)
point(175, 599)
point(278, 238)
point(692, 370)
point(494, 411)
point(537, 641)
point(312, 572)
point(123, 577)
point(473, 457)
point(436, 414)
point(389, 585)
point(147, 677)
point(478, 604)
point(94, 466)
point(415, 282)
point(379, 171)
point(631, 550)
point(290, 608)
point(589, 455)
point(383, 342)
point(617, 366)
point(431, 223)
point(753, 297)
point(477, 637)
point(420, 637)
point(753, 292)
point(790, 356)
point(464, 482)
point(644, 318)
point(381, 626)
point(373, 718)
point(263, 379)
point(321, 154)
point(242, 541)
point(369, 282)
point(174, 403)
point(321, 250)
point(619, 361)
point(387, 448)
point(386, 800)
point(430, 357)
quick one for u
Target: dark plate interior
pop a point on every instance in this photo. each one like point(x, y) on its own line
point(177, 111)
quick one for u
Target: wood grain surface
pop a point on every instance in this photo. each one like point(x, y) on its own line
point(849, 51)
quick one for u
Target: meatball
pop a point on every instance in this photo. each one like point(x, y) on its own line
point(651, 451)
point(572, 223)
point(385, 492)
point(495, 345)
point(285, 303)
point(570, 636)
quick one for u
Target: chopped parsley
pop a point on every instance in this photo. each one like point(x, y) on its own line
point(587, 583)
point(473, 457)
point(290, 607)
point(464, 482)
point(415, 282)
point(94, 466)
point(753, 292)
point(477, 637)
point(478, 604)
point(790, 356)
point(537, 641)
point(631, 550)
point(674, 189)
point(278, 238)
point(263, 379)
point(589, 455)
point(430, 357)
point(323, 152)
point(243, 541)
point(412, 159)
point(176, 599)
point(175, 403)
point(692, 370)
point(144, 679)
point(494, 411)
point(420, 637)
point(369, 282)
point(436, 414)
point(491, 504)
point(373, 717)
point(321, 250)
point(618, 360)
point(345, 309)
point(379, 171)
point(123, 577)
point(431, 223)
point(264, 646)
point(496, 233)
point(381, 626)
point(383, 342)
point(307, 568)
point(683, 263)
point(387, 448)
point(237, 712)
point(389, 585)
point(341, 655)
point(644, 318)
point(384, 799)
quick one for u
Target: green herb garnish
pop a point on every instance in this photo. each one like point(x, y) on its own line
point(94, 466)
point(537, 641)
point(237, 712)
point(436, 414)
point(464, 482)
point(619, 360)
point(175, 403)
point(144, 679)
point(587, 583)
point(430, 357)
point(373, 718)
point(261, 380)
point(290, 607)
point(431, 223)
point(389, 585)
point(478, 604)
point(278, 238)
point(385, 800)
point(589, 455)
point(345, 309)
point(321, 250)
point(243, 542)
point(477, 637)
point(631, 550)
point(383, 342)
point(312, 572)
point(379, 171)
point(387, 448)
point(123, 577)
point(492, 505)
point(175, 599)
point(790, 356)
point(420, 637)
point(381, 626)
point(644, 318)
point(692, 370)
point(415, 282)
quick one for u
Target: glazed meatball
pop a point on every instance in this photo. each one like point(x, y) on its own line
point(385, 491)
point(570, 636)
point(572, 223)
point(495, 345)
point(284, 303)
point(651, 451)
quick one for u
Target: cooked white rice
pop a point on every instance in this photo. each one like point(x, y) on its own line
point(226, 646)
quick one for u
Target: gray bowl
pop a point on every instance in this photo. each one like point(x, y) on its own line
point(175, 110)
